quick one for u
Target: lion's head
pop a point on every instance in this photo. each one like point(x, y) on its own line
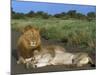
point(28, 41)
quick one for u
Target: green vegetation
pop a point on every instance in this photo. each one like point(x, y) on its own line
point(71, 14)
point(72, 32)
point(72, 28)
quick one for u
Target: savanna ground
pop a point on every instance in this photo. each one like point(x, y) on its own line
point(74, 35)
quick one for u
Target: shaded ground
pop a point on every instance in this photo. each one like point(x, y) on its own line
point(20, 69)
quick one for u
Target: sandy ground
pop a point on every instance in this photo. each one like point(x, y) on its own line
point(20, 69)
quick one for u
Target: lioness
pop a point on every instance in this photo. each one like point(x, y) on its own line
point(78, 59)
point(27, 42)
point(45, 55)
point(61, 58)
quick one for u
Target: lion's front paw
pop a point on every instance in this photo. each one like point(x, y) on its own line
point(21, 61)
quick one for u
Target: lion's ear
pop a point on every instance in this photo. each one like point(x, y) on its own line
point(37, 28)
point(26, 28)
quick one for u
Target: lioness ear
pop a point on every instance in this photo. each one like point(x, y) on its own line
point(26, 28)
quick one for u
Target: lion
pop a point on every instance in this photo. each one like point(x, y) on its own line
point(27, 42)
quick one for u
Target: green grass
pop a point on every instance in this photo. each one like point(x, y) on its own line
point(72, 32)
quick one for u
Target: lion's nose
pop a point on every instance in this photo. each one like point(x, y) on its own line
point(33, 43)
